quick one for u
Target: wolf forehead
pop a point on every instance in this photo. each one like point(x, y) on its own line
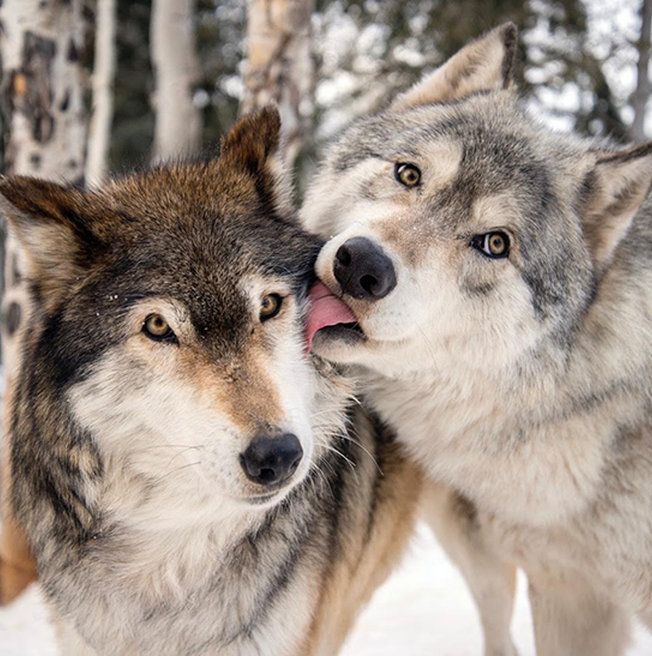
point(209, 222)
point(494, 146)
point(191, 234)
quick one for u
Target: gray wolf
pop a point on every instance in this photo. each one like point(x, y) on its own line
point(500, 278)
point(188, 480)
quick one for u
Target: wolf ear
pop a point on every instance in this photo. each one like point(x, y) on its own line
point(254, 146)
point(486, 64)
point(615, 189)
point(253, 139)
point(46, 219)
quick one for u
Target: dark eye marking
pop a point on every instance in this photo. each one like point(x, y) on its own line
point(409, 175)
point(270, 306)
point(494, 244)
point(158, 329)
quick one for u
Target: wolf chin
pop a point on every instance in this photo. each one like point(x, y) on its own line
point(500, 280)
point(189, 481)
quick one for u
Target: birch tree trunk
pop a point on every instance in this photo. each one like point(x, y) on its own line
point(99, 132)
point(641, 94)
point(176, 70)
point(41, 95)
point(279, 66)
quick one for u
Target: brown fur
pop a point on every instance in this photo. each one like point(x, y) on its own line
point(17, 565)
point(125, 536)
point(369, 556)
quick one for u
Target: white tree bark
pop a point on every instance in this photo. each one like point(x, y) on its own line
point(279, 66)
point(643, 89)
point(99, 132)
point(176, 69)
point(45, 120)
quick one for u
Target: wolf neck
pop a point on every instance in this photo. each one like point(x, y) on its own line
point(526, 423)
point(229, 577)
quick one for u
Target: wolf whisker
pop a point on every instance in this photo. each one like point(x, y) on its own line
point(175, 470)
point(339, 453)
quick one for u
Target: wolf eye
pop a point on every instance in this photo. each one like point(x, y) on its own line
point(270, 306)
point(407, 174)
point(157, 328)
point(494, 244)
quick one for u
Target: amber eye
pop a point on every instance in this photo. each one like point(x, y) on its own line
point(270, 306)
point(494, 244)
point(157, 328)
point(407, 174)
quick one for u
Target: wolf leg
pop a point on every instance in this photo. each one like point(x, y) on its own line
point(17, 567)
point(491, 580)
point(69, 641)
point(570, 619)
point(646, 619)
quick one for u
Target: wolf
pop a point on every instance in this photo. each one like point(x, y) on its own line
point(190, 481)
point(498, 282)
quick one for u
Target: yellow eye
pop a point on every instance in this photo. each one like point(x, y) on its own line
point(270, 306)
point(494, 244)
point(407, 174)
point(157, 328)
point(497, 243)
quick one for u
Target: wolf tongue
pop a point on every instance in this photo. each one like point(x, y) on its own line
point(325, 310)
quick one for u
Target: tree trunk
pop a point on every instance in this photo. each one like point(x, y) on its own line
point(176, 69)
point(99, 132)
point(45, 122)
point(41, 96)
point(643, 88)
point(280, 67)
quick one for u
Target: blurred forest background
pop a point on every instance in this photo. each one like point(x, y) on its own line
point(578, 62)
point(578, 68)
point(89, 87)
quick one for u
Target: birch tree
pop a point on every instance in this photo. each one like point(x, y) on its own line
point(641, 94)
point(279, 66)
point(176, 70)
point(41, 95)
point(99, 132)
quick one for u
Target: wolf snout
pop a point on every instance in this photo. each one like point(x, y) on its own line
point(270, 460)
point(363, 270)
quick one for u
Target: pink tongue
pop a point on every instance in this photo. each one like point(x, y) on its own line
point(325, 310)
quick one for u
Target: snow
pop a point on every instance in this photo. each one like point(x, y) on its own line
point(423, 609)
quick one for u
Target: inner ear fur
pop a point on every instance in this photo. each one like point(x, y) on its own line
point(48, 221)
point(486, 64)
point(615, 189)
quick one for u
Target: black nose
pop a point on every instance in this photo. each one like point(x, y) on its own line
point(270, 460)
point(363, 270)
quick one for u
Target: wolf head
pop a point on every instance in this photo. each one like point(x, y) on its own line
point(459, 226)
point(166, 327)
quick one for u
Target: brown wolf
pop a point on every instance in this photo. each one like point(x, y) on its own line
point(189, 481)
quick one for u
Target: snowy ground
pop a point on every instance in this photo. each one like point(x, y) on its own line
point(422, 610)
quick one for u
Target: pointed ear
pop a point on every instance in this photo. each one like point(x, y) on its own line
point(253, 139)
point(253, 145)
point(614, 190)
point(486, 64)
point(46, 219)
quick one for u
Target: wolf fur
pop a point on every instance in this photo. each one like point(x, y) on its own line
point(525, 382)
point(125, 453)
